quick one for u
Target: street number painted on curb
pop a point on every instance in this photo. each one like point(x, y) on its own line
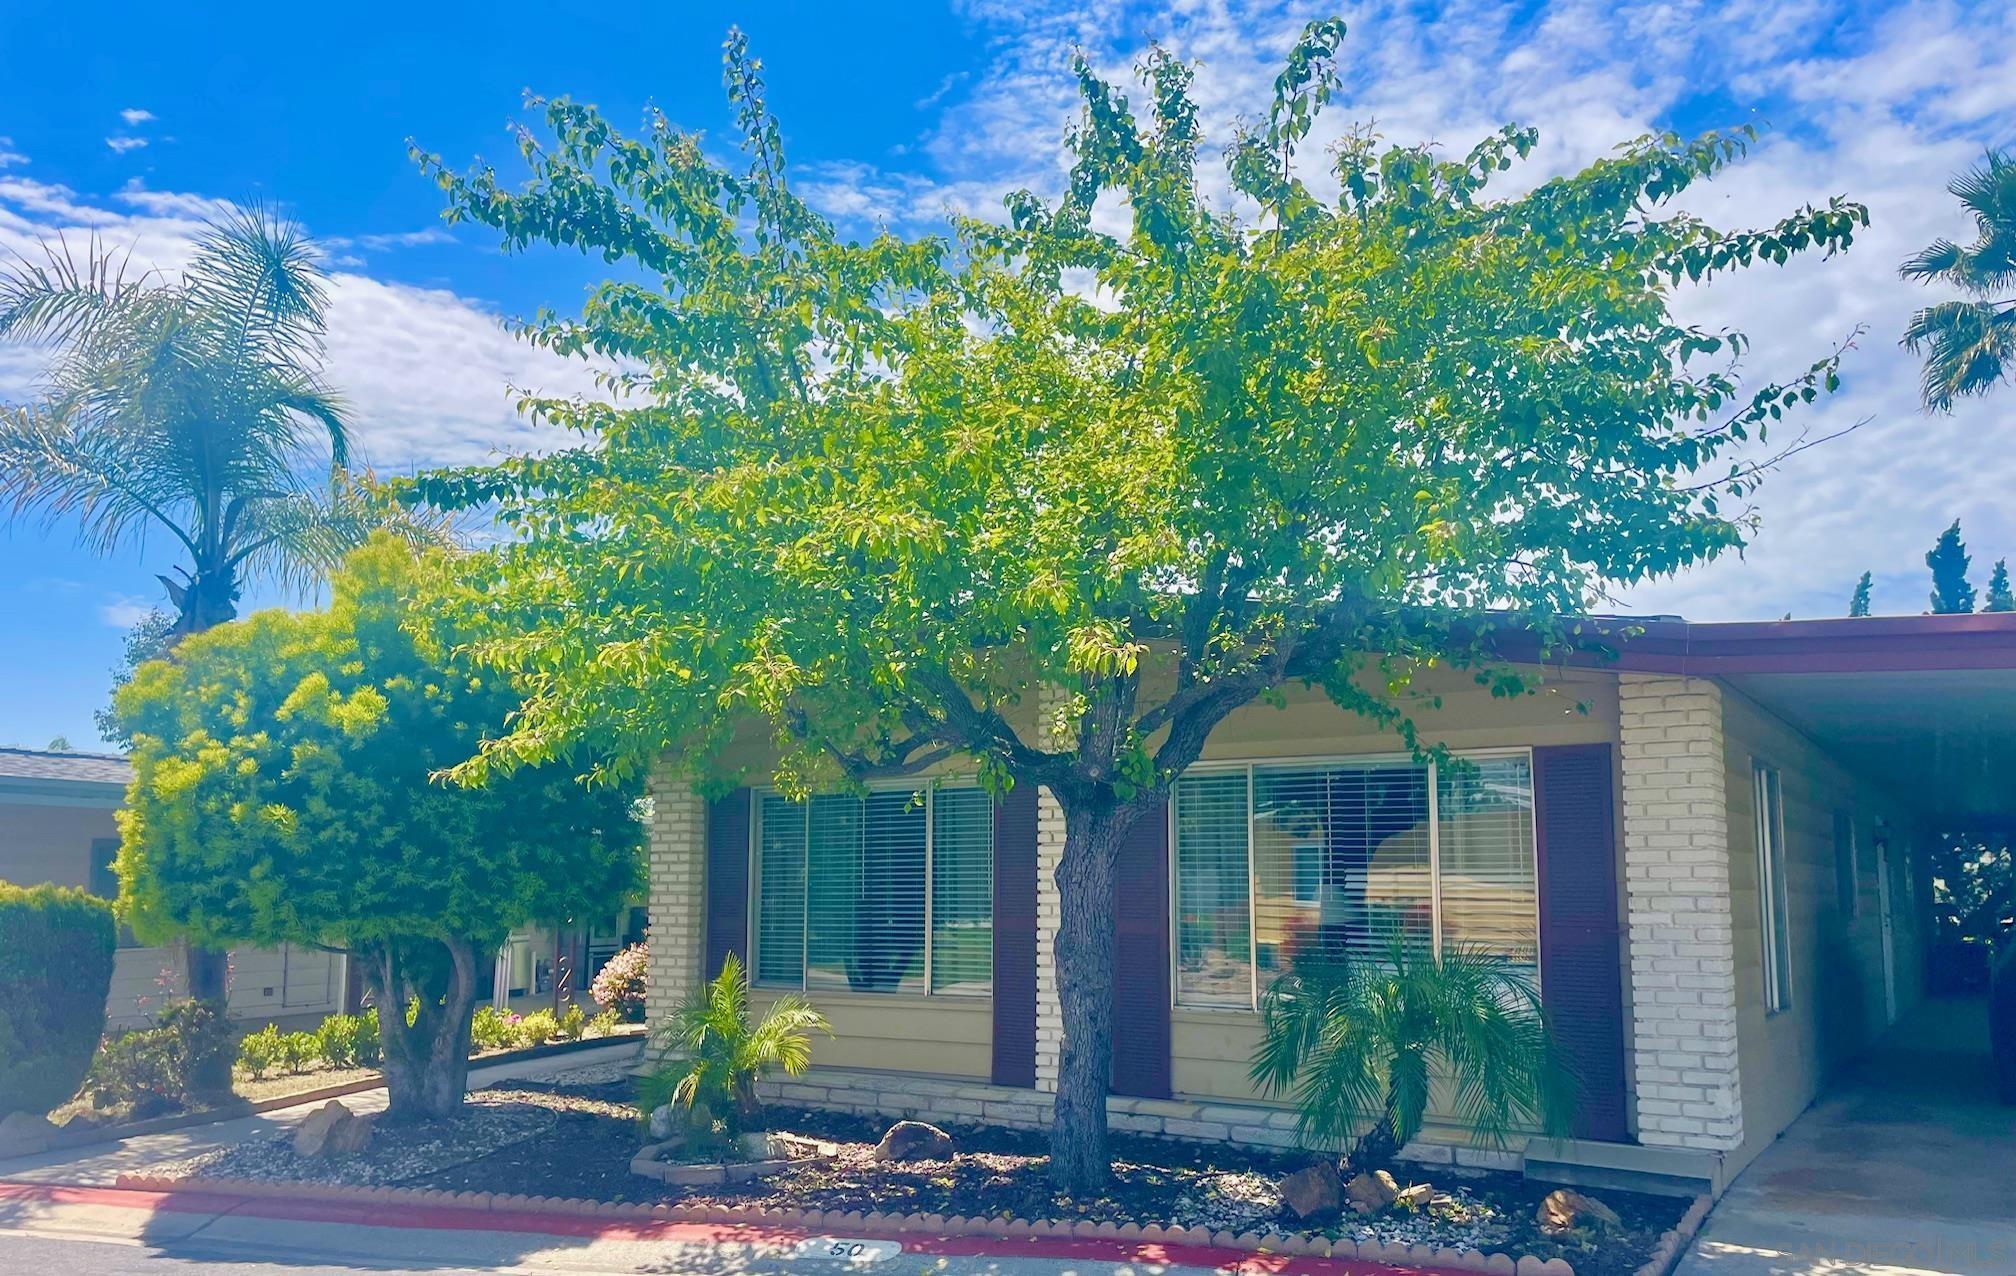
point(847, 1249)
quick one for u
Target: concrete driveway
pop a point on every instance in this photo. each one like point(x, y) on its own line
point(1907, 1167)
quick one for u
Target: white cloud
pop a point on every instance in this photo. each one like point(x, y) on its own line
point(126, 611)
point(121, 145)
point(1881, 105)
point(428, 374)
point(135, 116)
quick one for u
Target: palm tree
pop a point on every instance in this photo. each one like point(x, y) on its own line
point(1358, 1042)
point(720, 1055)
point(1970, 345)
point(189, 406)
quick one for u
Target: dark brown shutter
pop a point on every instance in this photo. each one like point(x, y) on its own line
point(1015, 938)
point(727, 879)
point(1141, 960)
point(1581, 944)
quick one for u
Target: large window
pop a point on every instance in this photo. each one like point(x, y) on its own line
point(1770, 802)
point(891, 893)
point(1351, 856)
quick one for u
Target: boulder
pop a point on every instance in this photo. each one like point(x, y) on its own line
point(1315, 1191)
point(24, 1133)
point(1566, 1210)
point(333, 1130)
point(350, 1137)
point(661, 1122)
point(1370, 1193)
point(1415, 1196)
point(913, 1141)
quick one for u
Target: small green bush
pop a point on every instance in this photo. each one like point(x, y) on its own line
point(603, 1024)
point(573, 1024)
point(538, 1028)
point(183, 1062)
point(348, 1041)
point(259, 1052)
point(298, 1050)
point(494, 1029)
point(55, 970)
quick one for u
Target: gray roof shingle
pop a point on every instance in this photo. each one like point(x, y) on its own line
point(82, 768)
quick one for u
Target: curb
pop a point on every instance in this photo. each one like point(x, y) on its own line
point(65, 1140)
point(1673, 1242)
point(1129, 1242)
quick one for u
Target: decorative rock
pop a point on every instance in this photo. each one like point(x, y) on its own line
point(1415, 1196)
point(914, 1141)
point(1370, 1193)
point(661, 1122)
point(1566, 1210)
point(24, 1134)
point(1314, 1192)
point(351, 1136)
point(313, 1137)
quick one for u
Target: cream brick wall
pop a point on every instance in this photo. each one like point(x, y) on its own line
point(1677, 888)
point(1049, 851)
point(677, 848)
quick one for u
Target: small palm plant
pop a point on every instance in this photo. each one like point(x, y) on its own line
point(1357, 1043)
point(717, 1056)
point(1970, 345)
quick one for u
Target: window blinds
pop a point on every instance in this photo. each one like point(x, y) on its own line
point(869, 894)
point(1273, 859)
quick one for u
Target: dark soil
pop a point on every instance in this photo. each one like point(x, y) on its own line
point(1002, 1173)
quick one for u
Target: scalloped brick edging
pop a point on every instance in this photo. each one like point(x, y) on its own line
point(876, 1223)
point(1673, 1242)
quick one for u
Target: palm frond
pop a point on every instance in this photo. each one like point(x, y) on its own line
point(62, 296)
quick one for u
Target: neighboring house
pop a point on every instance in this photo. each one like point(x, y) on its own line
point(56, 825)
point(1711, 849)
point(549, 967)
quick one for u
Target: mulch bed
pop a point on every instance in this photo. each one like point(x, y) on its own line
point(1003, 1173)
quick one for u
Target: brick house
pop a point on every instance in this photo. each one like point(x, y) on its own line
point(1709, 844)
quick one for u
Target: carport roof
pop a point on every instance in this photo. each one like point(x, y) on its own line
point(1924, 706)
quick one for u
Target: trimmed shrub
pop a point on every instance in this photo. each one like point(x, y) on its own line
point(349, 1041)
point(494, 1029)
point(298, 1050)
point(604, 1024)
point(620, 985)
point(55, 971)
point(260, 1051)
point(574, 1024)
point(539, 1027)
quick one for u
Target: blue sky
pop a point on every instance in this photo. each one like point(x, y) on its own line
point(895, 112)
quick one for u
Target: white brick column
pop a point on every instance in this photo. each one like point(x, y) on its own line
point(677, 850)
point(1676, 883)
point(1049, 852)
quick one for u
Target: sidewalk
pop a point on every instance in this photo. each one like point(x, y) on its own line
point(100, 1164)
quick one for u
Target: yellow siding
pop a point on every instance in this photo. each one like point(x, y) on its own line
point(931, 1036)
point(1837, 1002)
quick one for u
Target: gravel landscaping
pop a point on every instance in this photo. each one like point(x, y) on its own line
point(573, 1136)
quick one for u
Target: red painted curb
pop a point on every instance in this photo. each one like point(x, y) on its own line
point(309, 1209)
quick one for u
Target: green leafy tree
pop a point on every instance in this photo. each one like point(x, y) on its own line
point(1358, 1042)
point(193, 408)
point(1859, 604)
point(1951, 592)
point(150, 638)
point(720, 1054)
point(1999, 598)
point(1060, 493)
point(1969, 345)
point(284, 791)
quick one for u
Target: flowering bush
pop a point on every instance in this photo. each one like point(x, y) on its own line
point(620, 985)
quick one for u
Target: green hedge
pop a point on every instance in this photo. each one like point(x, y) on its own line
point(56, 949)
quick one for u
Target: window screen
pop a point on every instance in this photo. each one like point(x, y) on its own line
point(891, 893)
point(1273, 859)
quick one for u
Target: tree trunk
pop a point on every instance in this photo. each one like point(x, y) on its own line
point(426, 1065)
point(207, 973)
point(1093, 832)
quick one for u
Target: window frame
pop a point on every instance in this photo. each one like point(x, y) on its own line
point(1313, 761)
point(753, 923)
point(1767, 796)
